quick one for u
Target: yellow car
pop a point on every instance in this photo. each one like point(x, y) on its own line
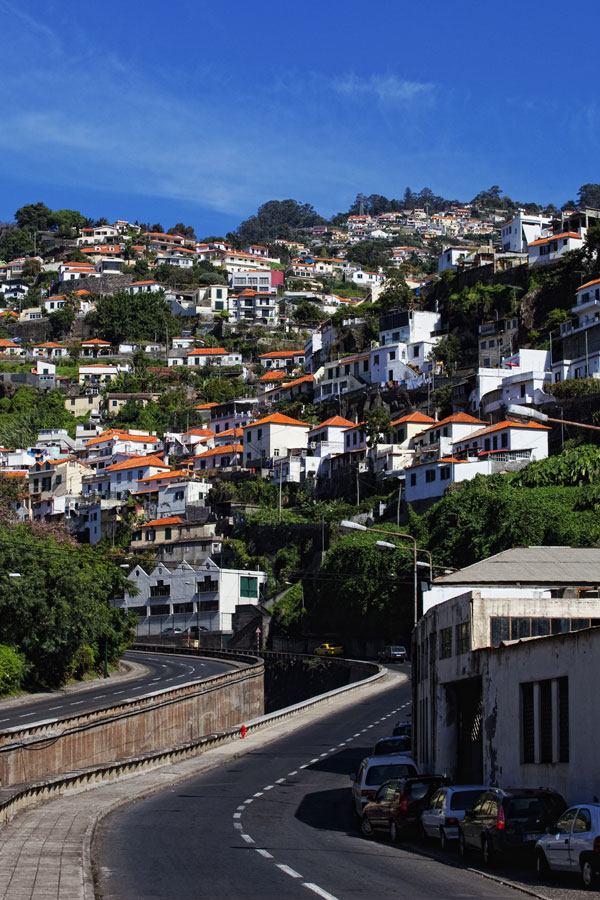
point(329, 650)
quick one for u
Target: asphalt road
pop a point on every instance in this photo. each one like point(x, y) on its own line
point(163, 671)
point(277, 822)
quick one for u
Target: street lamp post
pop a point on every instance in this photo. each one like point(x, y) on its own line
point(356, 526)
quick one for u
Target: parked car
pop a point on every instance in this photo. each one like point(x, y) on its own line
point(393, 653)
point(396, 807)
point(402, 728)
point(572, 844)
point(373, 771)
point(329, 650)
point(170, 632)
point(508, 820)
point(446, 808)
point(388, 745)
point(195, 630)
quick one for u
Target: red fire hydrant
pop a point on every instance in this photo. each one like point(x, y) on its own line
point(243, 731)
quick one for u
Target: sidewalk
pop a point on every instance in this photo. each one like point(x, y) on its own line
point(45, 851)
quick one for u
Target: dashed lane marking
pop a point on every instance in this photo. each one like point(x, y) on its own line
point(247, 838)
point(264, 853)
point(317, 890)
point(288, 871)
point(289, 774)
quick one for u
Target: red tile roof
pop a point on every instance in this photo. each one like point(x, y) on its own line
point(170, 520)
point(418, 417)
point(277, 419)
point(206, 405)
point(163, 476)
point(208, 351)
point(588, 284)
point(217, 451)
point(338, 421)
point(555, 237)
point(507, 423)
point(117, 434)
point(276, 354)
point(96, 341)
point(137, 462)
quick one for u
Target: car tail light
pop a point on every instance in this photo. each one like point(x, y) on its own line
point(596, 844)
point(450, 820)
point(500, 819)
point(404, 804)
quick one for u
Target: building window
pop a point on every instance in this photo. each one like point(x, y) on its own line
point(413, 479)
point(527, 724)
point(545, 721)
point(248, 587)
point(548, 720)
point(563, 719)
point(446, 643)
point(463, 637)
point(160, 589)
point(207, 586)
point(429, 475)
point(445, 473)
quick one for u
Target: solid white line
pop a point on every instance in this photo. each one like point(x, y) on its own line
point(317, 890)
point(288, 871)
point(264, 853)
point(247, 838)
point(295, 772)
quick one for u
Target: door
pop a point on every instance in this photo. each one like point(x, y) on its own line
point(431, 816)
point(472, 825)
point(581, 837)
point(380, 810)
point(556, 846)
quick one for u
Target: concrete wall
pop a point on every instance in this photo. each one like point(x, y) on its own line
point(155, 722)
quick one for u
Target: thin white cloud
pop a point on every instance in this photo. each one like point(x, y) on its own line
point(386, 88)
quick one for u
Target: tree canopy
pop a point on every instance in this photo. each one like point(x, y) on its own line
point(277, 219)
point(123, 316)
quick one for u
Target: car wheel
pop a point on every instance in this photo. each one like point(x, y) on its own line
point(394, 832)
point(462, 847)
point(588, 874)
point(487, 852)
point(443, 840)
point(366, 827)
point(541, 866)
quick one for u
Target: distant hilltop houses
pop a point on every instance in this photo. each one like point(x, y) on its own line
point(325, 361)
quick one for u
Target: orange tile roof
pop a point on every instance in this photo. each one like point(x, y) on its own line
point(132, 283)
point(275, 354)
point(457, 418)
point(208, 351)
point(303, 379)
point(415, 417)
point(450, 459)
point(588, 284)
point(163, 476)
point(216, 451)
point(96, 341)
point(231, 432)
point(117, 434)
point(555, 237)
point(276, 419)
point(206, 405)
point(338, 421)
point(273, 376)
point(507, 423)
point(170, 520)
point(5, 343)
point(97, 366)
point(50, 344)
point(201, 432)
point(137, 462)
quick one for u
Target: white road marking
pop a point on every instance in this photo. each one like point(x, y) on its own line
point(313, 761)
point(288, 871)
point(238, 826)
point(237, 815)
point(115, 693)
point(97, 697)
point(79, 702)
point(269, 787)
point(265, 853)
point(357, 734)
point(49, 710)
point(247, 838)
point(258, 794)
point(22, 716)
point(317, 890)
point(295, 772)
point(323, 754)
point(305, 766)
point(331, 750)
point(249, 801)
point(3, 720)
point(342, 744)
point(280, 781)
point(241, 807)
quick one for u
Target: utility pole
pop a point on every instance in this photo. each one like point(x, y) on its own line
point(280, 477)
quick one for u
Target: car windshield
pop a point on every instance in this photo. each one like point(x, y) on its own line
point(394, 745)
point(379, 774)
point(464, 799)
point(545, 807)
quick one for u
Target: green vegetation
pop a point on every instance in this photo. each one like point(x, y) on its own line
point(285, 219)
point(27, 410)
point(135, 317)
point(573, 387)
point(56, 610)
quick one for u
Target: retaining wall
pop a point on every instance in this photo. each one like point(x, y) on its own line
point(163, 719)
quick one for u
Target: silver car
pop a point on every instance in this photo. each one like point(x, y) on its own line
point(447, 809)
point(572, 844)
point(373, 771)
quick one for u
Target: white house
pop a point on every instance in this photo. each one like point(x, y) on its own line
point(204, 596)
point(580, 354)
point(451, 256)
point(341, 376)
point(123, 477)
point(511, 440)
point(274, 435)
point(437, 440)
point(367, 279)
point(50, 350)
point(427, 481)
point(144, 287)
point(295, 468)
point(76, 271)
point(409, 327)
point(551, 249)
point(328, 437)
point(389, 363)
point(522, 230)
point(282, 359)
point(117, 441)
point(99, 374)
point(224, 456)
point(232, 414)
point(207, 356)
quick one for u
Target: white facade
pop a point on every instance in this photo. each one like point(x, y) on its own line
point(273, 436)
point(174, 497)
point(551, 249)
point(517, 234)
point(206, 595)
point(256, 281)
point(451, 256)
point(409, 327)
point(388, 363)
point(428, 481)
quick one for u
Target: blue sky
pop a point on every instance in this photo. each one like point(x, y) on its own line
point(199, 112)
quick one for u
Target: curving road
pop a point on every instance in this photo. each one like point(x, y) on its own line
point(162, 671)
point(275, 823)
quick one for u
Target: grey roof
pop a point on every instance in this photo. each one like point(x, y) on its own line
point(532, 566)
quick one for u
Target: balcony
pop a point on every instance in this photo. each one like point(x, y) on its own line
point(579, 324)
